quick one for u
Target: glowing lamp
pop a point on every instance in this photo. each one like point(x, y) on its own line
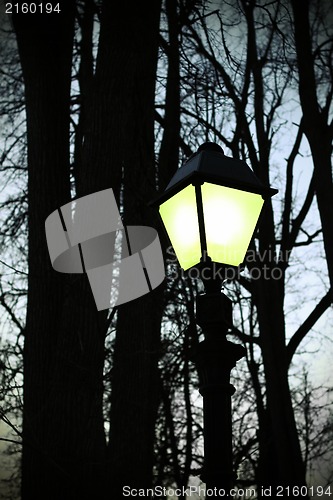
point(211, 207)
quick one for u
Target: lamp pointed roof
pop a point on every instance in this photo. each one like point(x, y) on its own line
point(209, 164)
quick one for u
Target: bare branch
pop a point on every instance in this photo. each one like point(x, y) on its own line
point(311, 320)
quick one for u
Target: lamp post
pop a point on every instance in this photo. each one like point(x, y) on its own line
point(210, 210)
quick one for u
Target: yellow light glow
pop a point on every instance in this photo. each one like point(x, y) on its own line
point(179, 215)
point(230, 218)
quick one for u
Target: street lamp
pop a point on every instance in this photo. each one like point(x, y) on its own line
point(210, 210)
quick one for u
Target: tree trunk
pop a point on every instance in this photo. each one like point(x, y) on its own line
point(135, 376)
point(317, 130)
point(63, 438)
point(279, 438)
point(169, 150)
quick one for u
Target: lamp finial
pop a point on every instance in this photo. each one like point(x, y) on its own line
point(210, 146)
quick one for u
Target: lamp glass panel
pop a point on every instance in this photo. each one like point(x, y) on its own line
point(179, 215)
point(230, 218)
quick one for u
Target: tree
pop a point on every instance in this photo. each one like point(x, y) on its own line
point(64, 344)
point(62, 377)
point(135, 376)
point(316, 91)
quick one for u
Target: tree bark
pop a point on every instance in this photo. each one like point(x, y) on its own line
point(63, 437)
point(316, 128)
point(169, 150)
point(134, 396)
